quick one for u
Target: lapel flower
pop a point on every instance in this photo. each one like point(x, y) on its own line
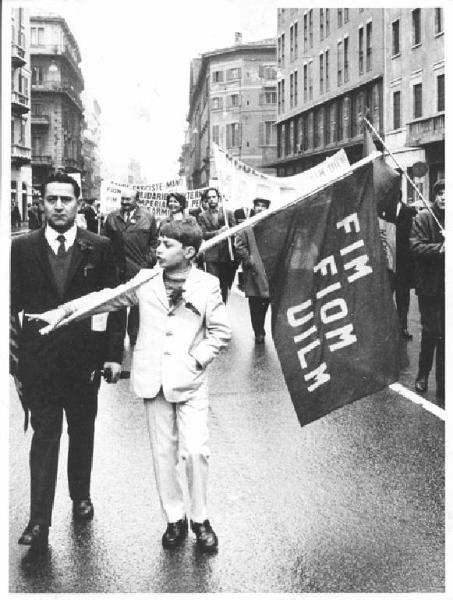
point(177, 298)
point(84, 245)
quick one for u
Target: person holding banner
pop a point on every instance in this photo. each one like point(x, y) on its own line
point(176, 204)
point(219, 260)
point(256, 286)
point(183, 326)
point(428, 248)
point(133, 232)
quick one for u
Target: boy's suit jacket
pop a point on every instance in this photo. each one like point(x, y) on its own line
point(174, 346)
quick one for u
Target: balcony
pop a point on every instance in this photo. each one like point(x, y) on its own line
point(40, 120)
point(58, 50)
point(41, 160)
point(17, 56)
point(20, 103)
point(20, 154)
point(59, 87)
point(426, 131)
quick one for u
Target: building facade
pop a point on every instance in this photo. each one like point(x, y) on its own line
point(57, 110)
point(91, 141)
point(232, 102)
point(21, 179)
point(415, 93)
point(331, 71)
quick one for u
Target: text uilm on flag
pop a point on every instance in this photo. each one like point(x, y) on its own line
point(334, 323)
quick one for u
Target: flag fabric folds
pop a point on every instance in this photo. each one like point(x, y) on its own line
point(334, 323)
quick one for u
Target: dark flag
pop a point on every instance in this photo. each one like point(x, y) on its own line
point(334, 323)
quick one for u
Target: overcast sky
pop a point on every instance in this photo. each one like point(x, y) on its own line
point(136, 61)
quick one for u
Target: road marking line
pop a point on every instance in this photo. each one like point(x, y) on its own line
point(416, 399)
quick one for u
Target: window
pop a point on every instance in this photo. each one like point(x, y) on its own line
point(217, 103)
point(417, 100)
point(438, 21)
point(339, 63)
point(321, 24)
point(416, 27)
point(310, 27)
point(316, 137)
point(295, 27)
point(268, 97)
point(291, 138)
point(279, 97)
point(340, 119)
point(305, 83)
point(233, 100)
point(283, 49)
point(305, 32)
point(360, 50)
point(369, 46)
point(291, 90)
point(346, 59)
point(282, 101)
point(440, 93)
point(279, 51)
point(36, 110)
point(295, 88)
point(269, 133)
point(326, 125)
point(396, 110)
point(327, 22)
point(310, 80)
point(37, 36)
point(321, 73)
point(340, 17)
point(327, 70)
point(234, 73)
point(291, 43)
point(215, 134)
point(233, 135)
point(346, 15)
point(395, 37)
point(217, 76)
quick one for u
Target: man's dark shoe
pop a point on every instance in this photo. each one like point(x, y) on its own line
point(259, 338)
point(82, 510)
point(440, 396)
point(206, 538)
point(34, 535)
point(406, 335)
point(175, 534)
point(421, 384)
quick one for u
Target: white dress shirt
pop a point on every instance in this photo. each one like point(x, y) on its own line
point(51, 237)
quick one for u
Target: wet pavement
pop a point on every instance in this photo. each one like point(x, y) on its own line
point(351, 503)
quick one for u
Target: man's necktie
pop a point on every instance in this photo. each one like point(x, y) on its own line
point(61, 248)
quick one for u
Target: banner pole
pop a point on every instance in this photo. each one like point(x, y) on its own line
point(404, 171)
point(225, 217)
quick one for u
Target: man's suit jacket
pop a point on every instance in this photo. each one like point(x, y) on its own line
point(134, 242)
point(220, 252)
point(171, 342)
point(75, 351)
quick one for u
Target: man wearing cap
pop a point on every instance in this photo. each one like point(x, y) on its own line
point(427, 244)
point(256, 286)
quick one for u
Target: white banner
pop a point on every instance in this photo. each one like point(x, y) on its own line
point(240, 183)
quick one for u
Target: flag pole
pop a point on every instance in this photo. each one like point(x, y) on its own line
point(404, 171)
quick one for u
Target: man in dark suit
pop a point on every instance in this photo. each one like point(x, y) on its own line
point(133, 232)
point(62, 372)
point(218, 260)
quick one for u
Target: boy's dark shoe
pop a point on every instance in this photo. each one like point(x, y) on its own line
point(406, 335)
point(175, 533)
point(35, 536)
point(421, 384)
point(82, 510)
point(206, 538)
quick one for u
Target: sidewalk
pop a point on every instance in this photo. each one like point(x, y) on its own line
point(22, 229)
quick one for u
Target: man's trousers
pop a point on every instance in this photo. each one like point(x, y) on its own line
point(47, 402)
point(180, 430)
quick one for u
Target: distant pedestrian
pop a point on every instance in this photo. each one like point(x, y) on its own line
point(90, 215)
point(16, 218)
point(256, 286)
point(218, 260)
point(183, 327)
point(133, 232)
point(428, 247)
point(34, 215)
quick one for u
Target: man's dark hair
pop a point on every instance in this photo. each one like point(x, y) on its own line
point(179, 198)
point(204, 195)
point(61, 178)
point(186, 231)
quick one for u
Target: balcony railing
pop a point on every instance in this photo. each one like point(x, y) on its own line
point(40, 120)
point(40, 159)
point(63, 87)
point(57, 50)
point(17, 55)
point(20, 102)
point(20, 153)
point(426, 131)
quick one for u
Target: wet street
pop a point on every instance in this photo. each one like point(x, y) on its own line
point(353, 502)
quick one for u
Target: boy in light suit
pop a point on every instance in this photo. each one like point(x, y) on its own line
point(183, 325)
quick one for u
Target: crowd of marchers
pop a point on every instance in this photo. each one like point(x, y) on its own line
point(171, 300)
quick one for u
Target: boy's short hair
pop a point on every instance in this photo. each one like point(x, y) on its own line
point(186, 231)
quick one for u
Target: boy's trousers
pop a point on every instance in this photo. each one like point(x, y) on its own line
point(180, 430)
